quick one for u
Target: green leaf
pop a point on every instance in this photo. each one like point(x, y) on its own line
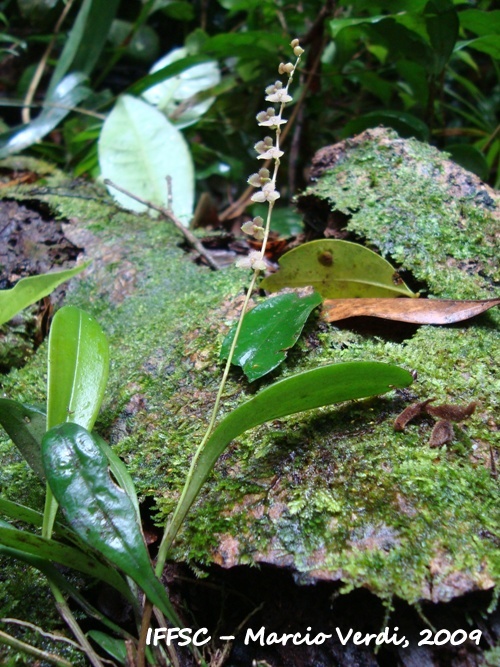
point(30, 544)
point(141, 44)
point(268, 331)
point(120, 473)
point(68, 94)
point(25, 426)
point(170, 96)
point(86, 39)
point(442, 24)
point(115, 647)
point(479, 22)
point(337, 270)
point(405, 124)
point(470, 158)
point(138, 149)
point(77, 368)
point(98, 510)
point(32, 289)
point(334, 383)
point(488, 44)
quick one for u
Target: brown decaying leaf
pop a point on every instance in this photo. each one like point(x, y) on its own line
point(454, 413)
point(409, 413)
point(414, 311)
point(441, 433)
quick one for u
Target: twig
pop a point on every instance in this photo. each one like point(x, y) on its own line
point(49, 635)
point(30, 94)
point(32, 650)
point(169, 215)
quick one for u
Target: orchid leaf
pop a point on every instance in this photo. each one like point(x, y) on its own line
point(329, 384)
point(25, 426)
point(30, 544)
point(337, 270)
point(268, 331)
point(78, 368)
point(29, 290)
point(98, 510)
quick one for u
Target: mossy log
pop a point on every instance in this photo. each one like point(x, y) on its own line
point(335, 494)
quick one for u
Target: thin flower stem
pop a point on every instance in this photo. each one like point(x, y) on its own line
point(169, 533)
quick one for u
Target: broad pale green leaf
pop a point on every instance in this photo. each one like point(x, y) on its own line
point(312, 389)
point(337, 270)
point(97, 509)
point(32, 289)
point(138, 149)
point(40, 547)
point(25, 426)
point(171, 96)
point(268, 331)
point(77, 368)
point(68, 94)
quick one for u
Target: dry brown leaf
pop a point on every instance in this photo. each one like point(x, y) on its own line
point(414, 311)
point(441, 433)
point(409, 413)
point(454, 413)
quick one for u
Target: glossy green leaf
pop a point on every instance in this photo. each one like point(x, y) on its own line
point(34, 545)
point(312, 389)
point(68, 94)
point(489, 44)
point(337, 270)
point(32, 289)
point(77, 368)
point(97, 509)
point(268, 331)
point(138, 149)
point(25, 426)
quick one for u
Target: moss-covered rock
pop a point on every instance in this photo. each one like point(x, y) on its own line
point(335, 494)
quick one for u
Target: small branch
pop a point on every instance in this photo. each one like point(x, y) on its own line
point(32, 650)
point(169, 215)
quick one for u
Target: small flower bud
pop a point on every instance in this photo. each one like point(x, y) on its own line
point(286, 68)
point(294, 43)
point(298, 51)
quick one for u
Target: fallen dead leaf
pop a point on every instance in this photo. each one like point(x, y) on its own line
point(414, 311)
point(442, 433)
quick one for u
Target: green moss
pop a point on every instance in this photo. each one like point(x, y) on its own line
point(336, 493)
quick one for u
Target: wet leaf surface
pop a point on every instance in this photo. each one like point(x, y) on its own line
point(98, 510)
point(413, 311)
point(269, 330)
